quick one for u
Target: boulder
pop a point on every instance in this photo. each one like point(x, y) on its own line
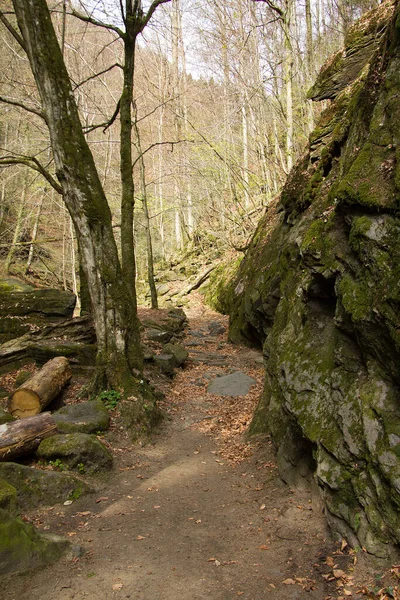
point(36, 487)
point(85, 417)
point(179, 353)
point(22, 548)
point(78, 451)
point(319, 290)
point(8, 498)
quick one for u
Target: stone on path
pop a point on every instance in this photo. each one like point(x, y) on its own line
point(85, 417)
point(76, 449)
point(235, 384)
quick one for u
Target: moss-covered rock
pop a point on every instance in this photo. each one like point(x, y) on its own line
point(36, 487)
point(319, 289)
point(8, 498)
point(77, 451)
point(22, 548)
point(5, 417)
point(85, 417)
point(179, 353)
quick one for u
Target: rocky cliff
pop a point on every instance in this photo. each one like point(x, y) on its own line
point(320, 289)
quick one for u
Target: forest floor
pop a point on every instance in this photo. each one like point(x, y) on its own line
point(200, 512)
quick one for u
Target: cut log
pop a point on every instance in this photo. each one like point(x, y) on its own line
point(40, 389)
point(22, 437)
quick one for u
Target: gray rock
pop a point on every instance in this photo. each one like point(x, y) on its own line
point(166, 363)
point(156, 335)
point(36, 487)
point(216, 328)
point(76, 449)
point(85, 417)
point(178, 352)
point(235, 384)
point(22, 548)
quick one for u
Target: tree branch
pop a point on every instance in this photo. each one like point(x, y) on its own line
point(11, 29)
point(106, 124)
point(33, 163)
point(273, 7)
point(88, 19)
point(150, 12)
point(78, 85)
point(172, 144)
point(38, 113)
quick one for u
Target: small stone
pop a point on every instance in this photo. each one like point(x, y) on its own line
point(178, 352)
point(156, 335)
point(166, 363)
point(235, 384)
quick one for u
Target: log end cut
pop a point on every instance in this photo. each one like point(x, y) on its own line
point(24, 403)
point(40, 389)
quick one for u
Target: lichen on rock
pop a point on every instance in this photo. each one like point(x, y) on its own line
point(319, 289)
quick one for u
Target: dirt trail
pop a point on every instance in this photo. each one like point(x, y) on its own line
point(186, 517)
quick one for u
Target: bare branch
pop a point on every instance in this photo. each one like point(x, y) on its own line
point(38, 113)
point(106, 124)
point(151, 11)
point(12, 30)
point(33, 163)
point(88, 19)
point(172, 144)
point(78, 85)
point(273, 7)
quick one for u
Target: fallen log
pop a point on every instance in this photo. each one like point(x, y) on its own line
point(199, 281)
point(45, 302)
point(22, 437)
point(78, 332)
point(40, 389)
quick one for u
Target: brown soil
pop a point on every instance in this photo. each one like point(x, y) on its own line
point(198, 513)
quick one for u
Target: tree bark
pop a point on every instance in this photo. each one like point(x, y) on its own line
point(40, 389)
point(116, 324)
point(22, 437)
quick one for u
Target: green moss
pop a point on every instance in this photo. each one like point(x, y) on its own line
point(356, 297)
point(8, 497)
point(22, 548)
point(219, 291)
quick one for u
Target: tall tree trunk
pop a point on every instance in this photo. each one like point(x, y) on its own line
point(147, 226)
point(116, 324)
point(18, 226)
point(128, 187)
point(34, 235)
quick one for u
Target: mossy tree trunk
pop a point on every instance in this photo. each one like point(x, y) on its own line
point(116, 323)
point(128, 188)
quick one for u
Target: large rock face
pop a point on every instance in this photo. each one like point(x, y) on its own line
point(320, 289)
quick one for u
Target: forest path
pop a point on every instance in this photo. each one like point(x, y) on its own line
point(197, 514)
